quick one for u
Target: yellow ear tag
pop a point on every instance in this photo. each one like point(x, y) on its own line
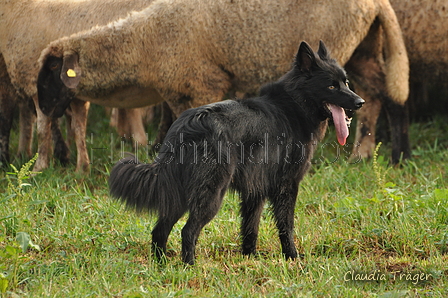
point(71, 73)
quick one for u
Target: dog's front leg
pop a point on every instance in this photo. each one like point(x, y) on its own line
point(190, 234)
point(251, 208)
point(283, 207)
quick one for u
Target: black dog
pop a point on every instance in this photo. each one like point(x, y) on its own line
point(260, 147)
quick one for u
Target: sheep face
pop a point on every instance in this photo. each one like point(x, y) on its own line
point(54, 83)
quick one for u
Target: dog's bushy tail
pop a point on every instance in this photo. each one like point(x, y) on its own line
point(145, 187)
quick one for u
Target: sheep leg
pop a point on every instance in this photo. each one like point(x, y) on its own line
point(26, 121)
point(7, 105)
point(112, 114)
point(130, 123)
point(69, 131)
point(167, 118)
point(79, 111)
point(398, 118)
point(43, 139)
point(6, 108)
point(61, 151)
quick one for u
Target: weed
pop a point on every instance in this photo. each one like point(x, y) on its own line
point(24, 173)
point(9, 267)
point(377, 169)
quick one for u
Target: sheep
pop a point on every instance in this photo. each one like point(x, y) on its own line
point(8, 103)
point(424, 26)
point(192, 52)
point(27, 27)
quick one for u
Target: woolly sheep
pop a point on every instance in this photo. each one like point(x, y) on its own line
point(424, 25)
point(27, 27)
point(192, 52)
point(8, 104)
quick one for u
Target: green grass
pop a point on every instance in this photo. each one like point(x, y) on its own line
point(352, 220)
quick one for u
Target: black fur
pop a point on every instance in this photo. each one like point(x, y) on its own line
point(260, 147)
point(54, 97)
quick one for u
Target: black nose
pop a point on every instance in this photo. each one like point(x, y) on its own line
point(359, 102)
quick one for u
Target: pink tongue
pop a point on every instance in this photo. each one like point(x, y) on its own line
point(338, 114)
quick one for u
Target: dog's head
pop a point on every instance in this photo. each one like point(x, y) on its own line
point(325, 82)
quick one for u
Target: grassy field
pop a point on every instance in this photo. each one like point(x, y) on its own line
point(363, 229)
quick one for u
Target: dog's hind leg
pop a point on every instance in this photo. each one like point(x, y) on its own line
point(202, 211)
point(251, 208)
point(161, 232)
point(283, 206)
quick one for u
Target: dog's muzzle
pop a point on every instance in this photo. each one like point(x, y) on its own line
point(359, 103)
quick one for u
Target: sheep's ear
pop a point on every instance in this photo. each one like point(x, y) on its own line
point(322, 51)
point(70, 72)
point(305, 57)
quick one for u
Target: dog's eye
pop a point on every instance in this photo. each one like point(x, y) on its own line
point(331, 87)
point(347, 83)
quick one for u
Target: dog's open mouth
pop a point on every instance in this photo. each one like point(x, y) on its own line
point(341, 122)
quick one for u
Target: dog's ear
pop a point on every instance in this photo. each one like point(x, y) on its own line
point(323, 52)
point(305, 57)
